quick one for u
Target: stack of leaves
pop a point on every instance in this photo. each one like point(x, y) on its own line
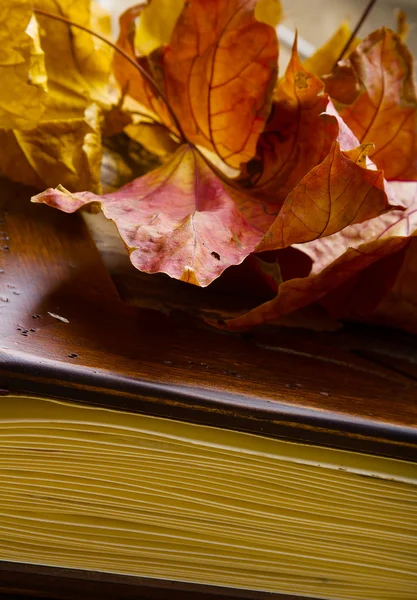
point(250, 164)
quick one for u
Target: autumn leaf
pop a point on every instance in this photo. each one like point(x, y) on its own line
point(179, 219)
point(361, 294)
point(124, 160)
point(297, 136)
point(402, 25)
point(268, 11)
point(336, 259)
point(134, 82)
point(387, 290)
point(219, 71)
point(398, 222)
point(78, 65)
point(157, 20)
point(22, 67)
point(153, 136)
point(67, 150)
point(116, 119)
point(216, 73)
point(324, 58)
point(398, 308)
point(144, 42)
point(376, 97)
point(339, 192)
point(63, 144)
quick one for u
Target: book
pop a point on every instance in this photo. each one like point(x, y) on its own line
point(144, 454)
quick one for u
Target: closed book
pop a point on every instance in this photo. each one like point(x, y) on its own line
point(145, 454)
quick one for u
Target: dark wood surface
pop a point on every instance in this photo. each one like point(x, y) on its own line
point(332, 388)
point(353, 389)
point(51, 583)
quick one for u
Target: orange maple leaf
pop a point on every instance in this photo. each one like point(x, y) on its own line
point(297, 136)
point(220, 69)
point(376, 97)
point(217, 73)
point(339, 192)
point(337, 259)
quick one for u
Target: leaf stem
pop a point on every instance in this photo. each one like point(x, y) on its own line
point(355, 31)
point(116, 48)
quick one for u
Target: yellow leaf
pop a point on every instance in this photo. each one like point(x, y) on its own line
point(78, 64)
point(324, 59)
point(402, 25)
point(153, 136)
point(66, 152)
point(269, 12)
point(156, 24)
point(22, 68)
point(60, 142)
point(100, 19)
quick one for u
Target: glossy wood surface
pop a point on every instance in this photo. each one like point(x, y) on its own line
point(331, 388)
point(352, 389)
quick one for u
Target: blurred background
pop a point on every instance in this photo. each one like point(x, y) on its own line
point(317, 20)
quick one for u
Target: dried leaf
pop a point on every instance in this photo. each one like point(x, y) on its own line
point(78, 64)
point(115, 120)
point(376, 93)
point(399, 307)
point(22, 67)
point(179, 219)
point(297, 137)
point(338, 192)
point(387, 290)
point(154, 137)
point(124, 160)
point(324, 59)
point(268, 11)
point(360, 295)
point(101, 21)
point(220, 69)
point(156, 23)
point(345, 136)
point(128, 76)
point(336, 260)
point(402, 25)
point(56, 151)
point(63, 144)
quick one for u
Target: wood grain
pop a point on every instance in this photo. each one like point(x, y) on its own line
point(288, 383)
point(67, 584)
